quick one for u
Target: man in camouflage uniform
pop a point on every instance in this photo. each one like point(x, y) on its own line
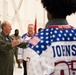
point(16, 36)
point(6, 49)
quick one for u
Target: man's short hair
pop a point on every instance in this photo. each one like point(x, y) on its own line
point(3, 24)
point(39, 29)
point(16, 30)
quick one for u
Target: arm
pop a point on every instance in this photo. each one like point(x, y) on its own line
point(4, 46)
point(23, 44)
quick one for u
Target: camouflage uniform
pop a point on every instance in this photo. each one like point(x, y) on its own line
point(6, 54)
point(16, 49)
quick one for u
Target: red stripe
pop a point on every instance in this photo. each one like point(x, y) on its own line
point(60, 26)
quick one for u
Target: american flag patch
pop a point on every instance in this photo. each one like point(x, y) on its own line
point(34, 40)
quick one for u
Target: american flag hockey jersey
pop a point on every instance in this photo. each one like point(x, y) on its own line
point(53, 51)
point(23, 52)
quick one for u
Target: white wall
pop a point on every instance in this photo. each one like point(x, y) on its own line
point(72, 20)
point(27, 12)
point(1, 10)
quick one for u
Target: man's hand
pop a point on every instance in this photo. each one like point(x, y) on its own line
point(16, 42)
point(28, 59)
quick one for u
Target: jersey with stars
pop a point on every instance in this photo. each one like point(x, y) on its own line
point(53, 34)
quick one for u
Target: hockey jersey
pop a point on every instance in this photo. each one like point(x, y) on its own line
point(22, 53)
point(53, 51)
